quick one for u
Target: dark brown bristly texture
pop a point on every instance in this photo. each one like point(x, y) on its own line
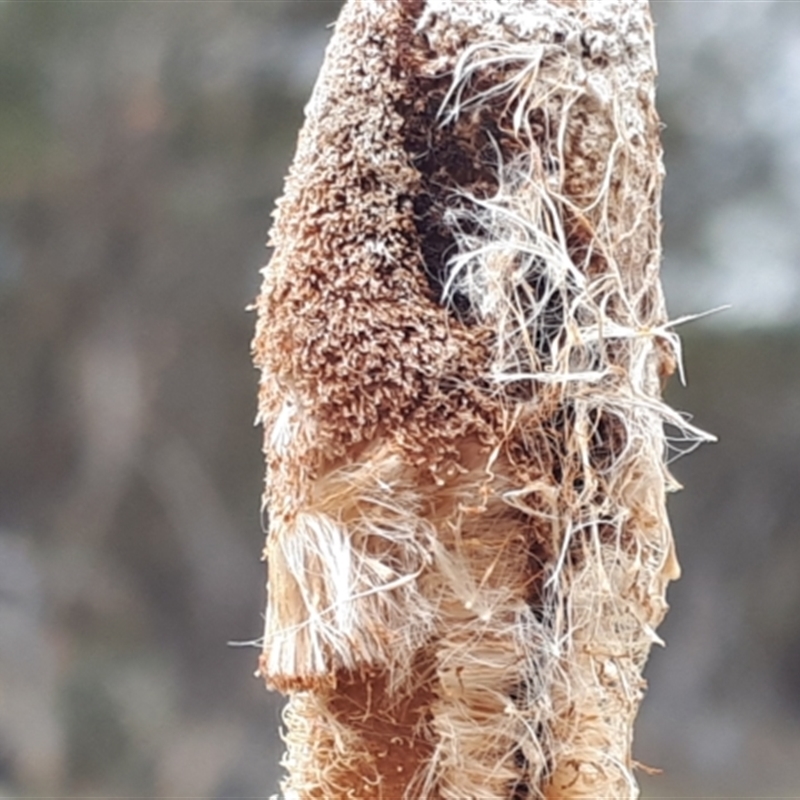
point(462, 339)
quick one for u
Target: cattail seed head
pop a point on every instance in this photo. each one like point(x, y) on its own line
point(462, 339)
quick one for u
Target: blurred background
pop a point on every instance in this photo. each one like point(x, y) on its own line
point(142, 145)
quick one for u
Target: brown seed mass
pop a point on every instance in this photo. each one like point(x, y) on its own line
point(462, 338)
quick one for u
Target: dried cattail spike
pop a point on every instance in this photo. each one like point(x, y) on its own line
point(462, 339)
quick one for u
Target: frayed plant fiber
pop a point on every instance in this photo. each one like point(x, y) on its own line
point(462, 342)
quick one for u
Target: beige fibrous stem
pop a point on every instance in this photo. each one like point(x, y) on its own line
point(462, 342)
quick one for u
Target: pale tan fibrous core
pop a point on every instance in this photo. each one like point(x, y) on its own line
point(462, 340)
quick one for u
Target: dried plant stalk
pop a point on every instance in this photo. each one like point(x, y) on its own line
point(462, 340)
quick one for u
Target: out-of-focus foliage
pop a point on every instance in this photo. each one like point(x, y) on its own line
point(723, 713)
point(141, 149)
point(730, 98)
